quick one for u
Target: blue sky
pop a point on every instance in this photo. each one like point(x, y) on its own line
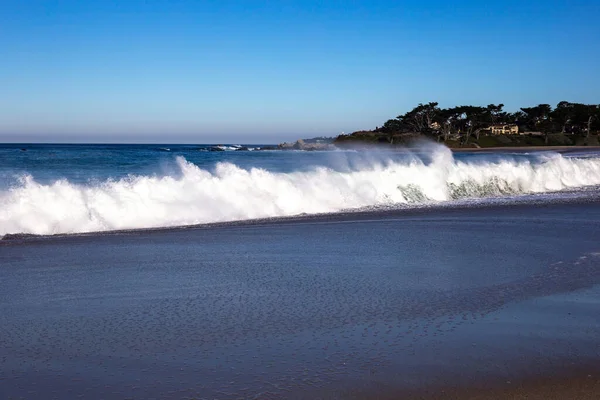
point(264, 71)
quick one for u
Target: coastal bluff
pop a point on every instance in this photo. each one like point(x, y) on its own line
point(308, 145)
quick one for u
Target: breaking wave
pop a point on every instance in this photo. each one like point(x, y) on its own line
point(228, 193)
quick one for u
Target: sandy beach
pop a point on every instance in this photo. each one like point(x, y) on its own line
point(416, 306)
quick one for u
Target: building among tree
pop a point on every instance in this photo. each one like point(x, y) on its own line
point(435, 126)
point(503, 129)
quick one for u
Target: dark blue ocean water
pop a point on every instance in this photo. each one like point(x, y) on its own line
point(68, 188)
point(80, 163)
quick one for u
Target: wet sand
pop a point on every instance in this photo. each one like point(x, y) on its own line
point(439, 304)
point(584, 387)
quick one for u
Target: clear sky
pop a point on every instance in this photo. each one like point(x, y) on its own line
point(265, 71)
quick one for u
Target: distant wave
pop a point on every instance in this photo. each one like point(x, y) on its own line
point(233, 147)
point(228, 192)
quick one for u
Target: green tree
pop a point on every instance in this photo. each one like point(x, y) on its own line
point(421, 118)
point(391, 126)
point(448, 118)
point(495, 113)
point(563, 114)
point(539, 117)
point(593, 115)
point(475, 121)
point(459, 120)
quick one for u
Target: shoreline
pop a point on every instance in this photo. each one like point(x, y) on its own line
point(560, 149)
point(426, 211)
point(289, 146)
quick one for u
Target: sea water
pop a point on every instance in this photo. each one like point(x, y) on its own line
point(58, 188)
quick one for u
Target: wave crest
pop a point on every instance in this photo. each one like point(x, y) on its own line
point(230, 193)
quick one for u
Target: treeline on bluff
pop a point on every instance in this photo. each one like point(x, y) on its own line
point(475, 126)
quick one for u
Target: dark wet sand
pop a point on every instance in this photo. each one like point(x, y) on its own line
point(573, 387)
point(496, 302)
point(586, 387)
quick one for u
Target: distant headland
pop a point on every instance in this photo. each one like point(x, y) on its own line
point(472, 127)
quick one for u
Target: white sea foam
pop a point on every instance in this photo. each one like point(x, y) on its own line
point(230, 193)
point(228, 148)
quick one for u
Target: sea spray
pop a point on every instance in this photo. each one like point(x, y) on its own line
point(227, 192)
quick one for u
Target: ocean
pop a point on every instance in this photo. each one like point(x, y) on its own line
point(60, 189)
point(171, 272)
